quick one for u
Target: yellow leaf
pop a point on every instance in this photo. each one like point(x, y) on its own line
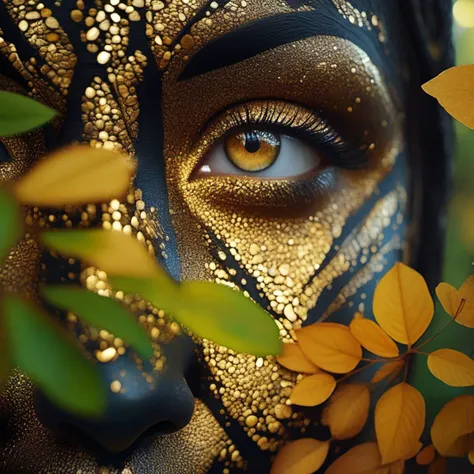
point(471, 457)
point(106, 250)
point(294, 359)
point(330, 346)
point(451, 300)
point(399, 422)
point(313, 390)
point(453, 426)
point(466, 318)
point(414, 451)
point(402, 304)
point(454, 91)
point(372, 337)
point(452, 367)
point(390, 368)
point(426, 456)
point(440, 466)
point(304, 456)
point(347, 411)
point(362, 459)
point(76, 175)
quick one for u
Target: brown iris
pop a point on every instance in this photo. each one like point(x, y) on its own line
point(253, 150)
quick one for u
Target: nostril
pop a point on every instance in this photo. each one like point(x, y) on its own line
point(158, 404)
point(126, 420)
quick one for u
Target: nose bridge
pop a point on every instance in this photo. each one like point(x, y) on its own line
point(140, 400)
point(151, 172)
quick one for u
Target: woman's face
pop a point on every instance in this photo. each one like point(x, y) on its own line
point(272, 158)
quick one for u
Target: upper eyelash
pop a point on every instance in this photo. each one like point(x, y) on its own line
point(284, 118)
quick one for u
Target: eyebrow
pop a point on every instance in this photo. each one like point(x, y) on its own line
point(268, 33)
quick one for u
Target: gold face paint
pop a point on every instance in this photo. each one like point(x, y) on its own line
point(279, 231)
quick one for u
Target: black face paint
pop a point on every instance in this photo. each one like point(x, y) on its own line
point(234, 427)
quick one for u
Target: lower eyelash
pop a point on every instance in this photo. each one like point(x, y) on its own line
point(294, 120)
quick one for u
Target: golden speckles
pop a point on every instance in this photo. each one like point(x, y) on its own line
point(360, 18)
point(77, 16)
point(103, 57)
point(52, 23)
point(106, 355)
point(46, 13)
point(187, 42)
point(116, 386)
point(52, 37)
point(175, 328)
point(251, 421)
point(92, 34)
point(23, 25)
point(50, 81)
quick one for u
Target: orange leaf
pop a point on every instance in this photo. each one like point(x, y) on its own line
point(399, 422)
point(294, 359)
point(440, 466)
point(330, 346)
point(454, 91)
point(452, 367)
point(362, 459)
point(347, 411)
point(402, 304)
point(304, 456)
point(372, 337)
point(453, 426)
point(451, 299)
point(426, 456)
point(313, 390)
point(386, 370)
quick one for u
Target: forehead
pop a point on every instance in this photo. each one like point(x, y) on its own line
point(116, 36)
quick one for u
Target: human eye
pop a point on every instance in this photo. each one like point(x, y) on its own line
point(273, 154)
point(276, 141)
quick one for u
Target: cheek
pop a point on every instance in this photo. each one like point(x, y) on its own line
point(289, 264)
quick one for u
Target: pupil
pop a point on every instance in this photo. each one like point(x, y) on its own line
point(252, 141)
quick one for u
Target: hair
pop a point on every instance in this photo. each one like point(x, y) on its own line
point(429, 24)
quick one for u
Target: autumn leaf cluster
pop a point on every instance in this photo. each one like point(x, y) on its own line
point(330, 354)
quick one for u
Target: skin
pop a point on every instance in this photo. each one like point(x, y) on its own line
point(307, 245)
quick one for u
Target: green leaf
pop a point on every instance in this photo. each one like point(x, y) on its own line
point(11, 223)
point(49, 355)
point(112, 252)
point(101, 312)
point(227, 317)
point(213, 312)
point(20, 114)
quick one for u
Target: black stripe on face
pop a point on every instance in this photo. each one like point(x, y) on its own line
point(149, 148)
point(268, 33)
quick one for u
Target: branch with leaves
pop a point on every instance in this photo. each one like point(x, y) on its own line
point(403, 311)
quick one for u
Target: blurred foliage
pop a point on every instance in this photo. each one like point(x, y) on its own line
point(460, 241)
point(36, 343)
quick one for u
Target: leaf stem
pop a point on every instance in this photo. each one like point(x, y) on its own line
point(458, 312)
point(354, 372)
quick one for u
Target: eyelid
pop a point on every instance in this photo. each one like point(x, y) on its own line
point(290, 119)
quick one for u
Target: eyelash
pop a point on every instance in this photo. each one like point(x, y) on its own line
point(299, 122)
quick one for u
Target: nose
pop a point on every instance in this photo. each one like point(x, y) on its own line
point(139, 402)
